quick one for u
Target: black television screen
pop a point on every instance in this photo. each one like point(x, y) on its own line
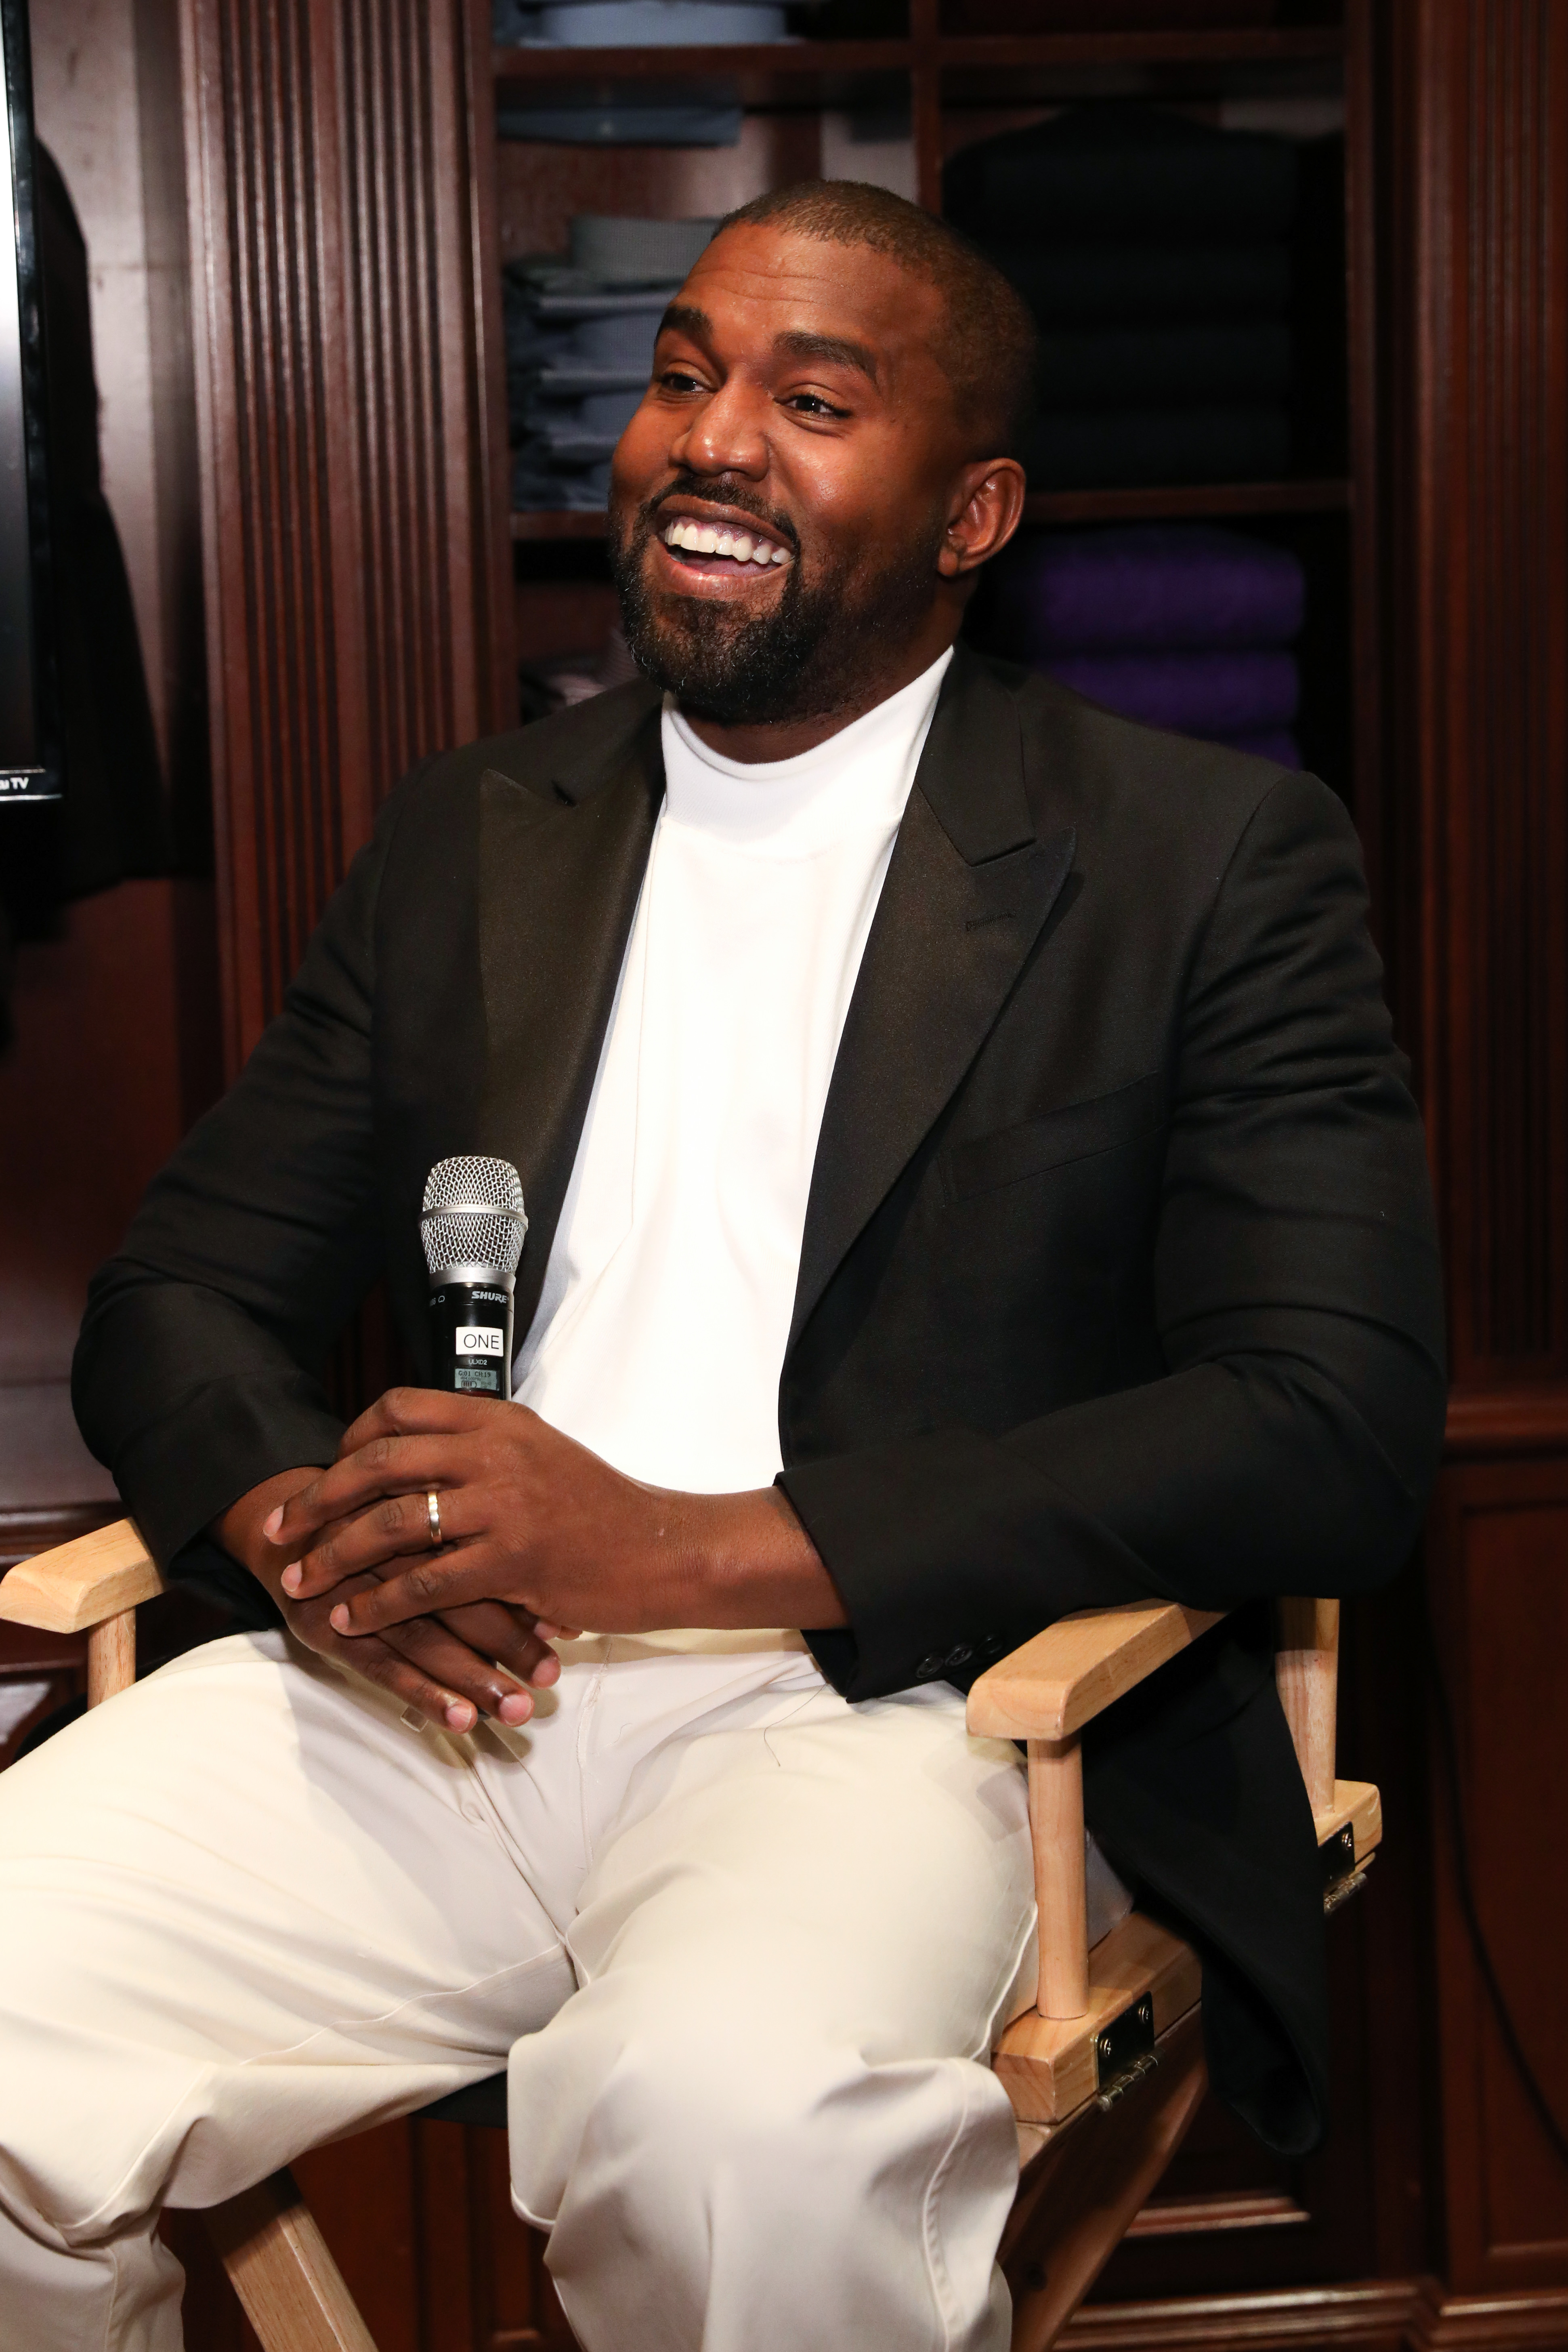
point(30, 767)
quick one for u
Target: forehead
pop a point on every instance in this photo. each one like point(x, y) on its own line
point(756, 282)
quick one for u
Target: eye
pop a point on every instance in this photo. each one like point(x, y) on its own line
point(812, 404)
point(678, 380)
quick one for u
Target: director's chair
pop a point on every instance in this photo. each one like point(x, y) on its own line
point(1104, 2073)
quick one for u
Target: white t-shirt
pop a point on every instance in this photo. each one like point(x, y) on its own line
point(660, 1335)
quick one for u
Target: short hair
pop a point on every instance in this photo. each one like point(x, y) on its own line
point(989, 351)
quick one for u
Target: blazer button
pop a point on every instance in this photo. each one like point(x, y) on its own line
point(929, 1668)
point(959, 1655)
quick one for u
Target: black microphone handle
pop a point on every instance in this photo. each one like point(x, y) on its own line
point(471, 1333)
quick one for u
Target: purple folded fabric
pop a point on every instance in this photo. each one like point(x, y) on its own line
point(1276, 743)
point(1226, 694)
point(1151, 587)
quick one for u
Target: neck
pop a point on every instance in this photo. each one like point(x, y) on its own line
point(786, 739)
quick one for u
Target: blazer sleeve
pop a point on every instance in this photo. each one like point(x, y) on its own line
point(198, 1370)
point(1293, 1439)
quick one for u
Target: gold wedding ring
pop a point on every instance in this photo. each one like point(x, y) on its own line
point(433, 1513)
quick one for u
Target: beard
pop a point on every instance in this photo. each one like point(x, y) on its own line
point(807, 657)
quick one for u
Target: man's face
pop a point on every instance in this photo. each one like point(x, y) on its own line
point(800, 431)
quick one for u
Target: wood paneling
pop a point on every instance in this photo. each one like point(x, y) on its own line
point(1479, 295)
point(357, 604)
point(1498, 1551)
point(1476, 439)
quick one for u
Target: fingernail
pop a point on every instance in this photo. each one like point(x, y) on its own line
point(516, 1708)
point(339, 1618)
point(271, 1523)
point(459, 1716)
point(545, 1672)
point(293, 1576)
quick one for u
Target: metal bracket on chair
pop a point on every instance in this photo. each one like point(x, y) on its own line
point(1125, 2051)
point(1342, 1879)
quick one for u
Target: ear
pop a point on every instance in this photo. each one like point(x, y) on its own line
point(986, 510)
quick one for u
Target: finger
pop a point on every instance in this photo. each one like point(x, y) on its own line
point(431, 1645)
point(412, 1413)
point(508, 1636)
point(443, 1581)
point(386, 1465)
point(379, 1663)
point(386, 1529)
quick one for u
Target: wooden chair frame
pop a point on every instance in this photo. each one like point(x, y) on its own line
point(1105, 2072)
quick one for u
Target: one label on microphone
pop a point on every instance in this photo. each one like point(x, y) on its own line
point(472, 1339)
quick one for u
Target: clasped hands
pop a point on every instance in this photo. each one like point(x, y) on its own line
point(539, 1537)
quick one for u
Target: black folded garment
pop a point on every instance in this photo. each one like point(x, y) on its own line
point(1180, 367)
point(1125, 449)
point(1114, 173)
point(1106, 285)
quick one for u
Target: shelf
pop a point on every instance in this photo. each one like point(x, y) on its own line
point(766, 73)
point(1288, 45)
point(778, 72)
point(1198, 501)
point(1194, 500)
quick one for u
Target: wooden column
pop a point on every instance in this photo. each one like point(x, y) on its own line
point(1478, 283)
point(351, 415)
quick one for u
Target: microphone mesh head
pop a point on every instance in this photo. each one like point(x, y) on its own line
point(473, 1215)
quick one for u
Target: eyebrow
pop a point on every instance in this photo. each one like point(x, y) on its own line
point(835, 349)
point(684, 317)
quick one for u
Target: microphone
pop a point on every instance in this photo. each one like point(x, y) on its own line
point(472, 1226)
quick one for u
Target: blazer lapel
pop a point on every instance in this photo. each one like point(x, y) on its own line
point(559, 885)
point(969, 890)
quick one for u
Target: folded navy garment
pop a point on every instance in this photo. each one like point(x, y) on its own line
point(596, 416)
point(1122, 448)
point(543, 481)
point(1113, 173)
point(1145, 587)
point(1112, 285)
point(1209, 694)
point(598, 331)
point(617, 249)
point(1178, 367)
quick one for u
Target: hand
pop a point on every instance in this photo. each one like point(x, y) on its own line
point(532, 1518)
point(471, 1661)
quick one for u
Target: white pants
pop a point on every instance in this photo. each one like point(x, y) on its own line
point(748, 1948)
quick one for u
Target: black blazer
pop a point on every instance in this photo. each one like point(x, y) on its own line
point(1118, 1279)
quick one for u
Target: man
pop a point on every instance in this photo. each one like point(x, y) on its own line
point(970, 1179)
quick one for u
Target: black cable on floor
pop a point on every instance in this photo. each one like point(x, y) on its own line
point(1448, 1743)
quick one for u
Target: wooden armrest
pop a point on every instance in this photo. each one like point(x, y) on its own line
point(1063, 1678)
point(78, 1585)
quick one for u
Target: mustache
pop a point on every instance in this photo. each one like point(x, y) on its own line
point(722, 490)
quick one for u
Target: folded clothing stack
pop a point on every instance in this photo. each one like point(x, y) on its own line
point(580, 349)
point(1181, 625)
point(709, 115)
point(1154, 252)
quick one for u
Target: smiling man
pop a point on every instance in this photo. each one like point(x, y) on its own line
point(970, 1179)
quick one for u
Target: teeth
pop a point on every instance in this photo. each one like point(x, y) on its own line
point(705, 539)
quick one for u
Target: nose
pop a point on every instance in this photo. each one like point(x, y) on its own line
point(727, 434)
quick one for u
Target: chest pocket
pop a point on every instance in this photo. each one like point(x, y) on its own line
point(1077, 1131)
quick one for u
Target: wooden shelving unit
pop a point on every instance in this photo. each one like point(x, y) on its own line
point(949, 86)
